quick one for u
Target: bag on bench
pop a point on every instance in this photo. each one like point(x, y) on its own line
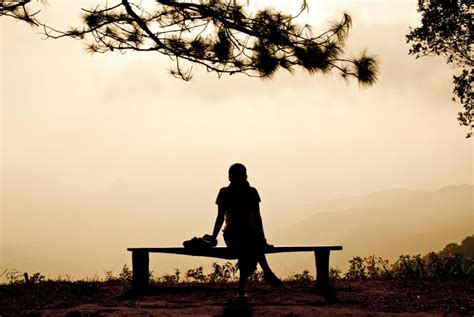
point(204, 243)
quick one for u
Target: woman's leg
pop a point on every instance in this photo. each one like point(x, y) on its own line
point(262, 260)
point(268, 274)
point(247, 262)
point(247, 266)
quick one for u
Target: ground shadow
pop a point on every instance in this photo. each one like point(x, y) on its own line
point(237, 310)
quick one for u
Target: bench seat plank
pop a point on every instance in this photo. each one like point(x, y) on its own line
point(225, 253)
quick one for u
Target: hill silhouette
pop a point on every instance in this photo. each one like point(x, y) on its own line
point(387, 223)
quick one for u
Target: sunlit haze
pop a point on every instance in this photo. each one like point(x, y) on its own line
point(108, 151)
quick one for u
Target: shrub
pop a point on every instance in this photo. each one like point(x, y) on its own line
point(302, 277)
point(453, 264)
point(37, 278)
point(433, 265)
point(377, 267)
point(109, 276)
point(409, 267)
point(196, 275)
point(126, 274)
point(222, 273)
point(13, 276)
point(335, 273)
point(170, 278)
point(257, 277)
point(356, 269)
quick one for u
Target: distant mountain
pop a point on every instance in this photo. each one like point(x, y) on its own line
point(90, 234)
point(386, 224)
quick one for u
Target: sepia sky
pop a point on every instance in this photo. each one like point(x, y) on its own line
point(76, 126)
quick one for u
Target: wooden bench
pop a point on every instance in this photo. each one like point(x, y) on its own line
point(140, 261)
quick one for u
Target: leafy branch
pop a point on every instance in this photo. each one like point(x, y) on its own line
point(221, 36)
point(447, 30)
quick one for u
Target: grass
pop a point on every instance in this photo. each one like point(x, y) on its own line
point(451, 295)
point(436, 282)
point(432, 265)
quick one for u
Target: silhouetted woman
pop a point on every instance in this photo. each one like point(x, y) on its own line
point(238, 206)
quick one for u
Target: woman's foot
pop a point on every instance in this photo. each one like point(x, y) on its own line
point(272, 279)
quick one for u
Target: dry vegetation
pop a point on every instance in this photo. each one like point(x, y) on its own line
point(297, 298)
point(438, 283)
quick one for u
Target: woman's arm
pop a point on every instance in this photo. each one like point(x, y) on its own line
point(219, 221)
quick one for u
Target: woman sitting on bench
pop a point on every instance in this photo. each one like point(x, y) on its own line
point(238, 206)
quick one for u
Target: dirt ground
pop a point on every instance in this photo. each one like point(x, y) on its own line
point(426, 297)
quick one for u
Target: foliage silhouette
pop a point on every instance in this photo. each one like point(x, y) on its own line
point(221, 35)
point(453, 261)
point(222, 273)
point(335, 273)
point(170, 278)
point(37, 278)
point(466, 248)
point(302, 277)
point(196, 275)
point(447, 30)
point(432, 265)
point(19, 10)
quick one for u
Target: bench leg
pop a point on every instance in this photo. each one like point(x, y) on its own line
point(140, 267)
point(322, 269)
point(322, 275)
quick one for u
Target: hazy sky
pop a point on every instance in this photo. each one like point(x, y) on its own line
point(77, 126)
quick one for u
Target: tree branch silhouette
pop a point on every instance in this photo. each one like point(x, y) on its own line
point(222, 36)
point(447, 30)
point(18, 10)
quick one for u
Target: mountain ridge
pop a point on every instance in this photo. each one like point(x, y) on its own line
point(417, 222)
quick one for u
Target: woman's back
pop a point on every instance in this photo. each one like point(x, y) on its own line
point(240, 202)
